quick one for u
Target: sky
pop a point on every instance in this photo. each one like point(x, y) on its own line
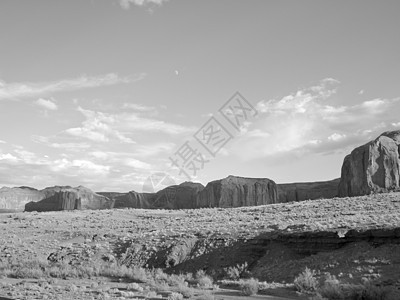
point(107, 93)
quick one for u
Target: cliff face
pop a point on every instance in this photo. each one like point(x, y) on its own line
point(181, 196)
point(307, 190)
point(66, 198)
point(133, 200)
point(373, 167)
point(16, 198)
point(238, 191)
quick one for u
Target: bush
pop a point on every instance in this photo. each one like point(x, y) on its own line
point(236, 272)
point(206, 295)
point(203, 280)
point(249, 287)
point(175, 296)
point(334, 290)
point(306, 281)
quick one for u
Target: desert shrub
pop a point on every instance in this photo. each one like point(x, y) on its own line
point(134, 287)
point(249, 287)
point(206, 295)
point(306, 282)
point(203, 280)
point(334, 290)
point(175, 296)
point(186, 291)
point(331, 288)
point(369, 291)
point(122, 271)
point(236, 272)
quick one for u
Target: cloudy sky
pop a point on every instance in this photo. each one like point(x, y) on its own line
point(103, 93)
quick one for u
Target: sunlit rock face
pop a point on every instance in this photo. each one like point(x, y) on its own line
point(68, 198)
point(373, 167)
point(238, 191)
point(16, 198)
point(182, 196)
point(290, 192)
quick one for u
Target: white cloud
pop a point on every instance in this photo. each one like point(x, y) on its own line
point(2, 142)
point(8, 157)
point(361, 92)
point(138, 107)
point(98, 127)
point(80, 166)
point(103, 127)
point(59, 145)
point(396, 124)
point(131, 162)
point(29, 89)
point(47, 104)
point(126, 3)
point(307, 121)
point(336, 137)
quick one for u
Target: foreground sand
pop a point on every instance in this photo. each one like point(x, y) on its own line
point(171, 238)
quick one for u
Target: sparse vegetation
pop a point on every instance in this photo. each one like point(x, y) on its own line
point(203, 280)
point(249, 287)
point(333, 289)
point(306, 282)
point(236, 272)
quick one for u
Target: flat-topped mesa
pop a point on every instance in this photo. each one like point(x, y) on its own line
point(67, 198)
point(236, 191)
point(16, 198)
point(289, 192)
point(181, 196)
point(373, 167)
point(133, 200)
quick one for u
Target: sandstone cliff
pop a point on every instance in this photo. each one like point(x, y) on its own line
point(66, 198)
point(289, 192)
point(181, 196)
point(16, 198)
point(373, 167)
point(133, 200)
point(238, 191)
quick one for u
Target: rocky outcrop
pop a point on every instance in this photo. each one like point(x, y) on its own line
point(238, 191)
point(373, 167)
point(134, 200)
point(16, 198)
point(181, 196)
point(289, 192)
point(66, 198)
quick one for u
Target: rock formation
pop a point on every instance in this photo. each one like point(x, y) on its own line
point(66, 198)
point(133, 200)
point(181, 196)
point(289, 192)
point(373, 167)
point(238, 191)
point(16, 198)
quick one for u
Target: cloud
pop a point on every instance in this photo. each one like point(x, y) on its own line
point(2, 142)
point(67, 145)
point(307, 121)
point(336, 137)
point(104, 127)
point(46, 104)
point(138, 107)
point(8, 157)
point(125, 4)
point(29, 89)
point(98, 127)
